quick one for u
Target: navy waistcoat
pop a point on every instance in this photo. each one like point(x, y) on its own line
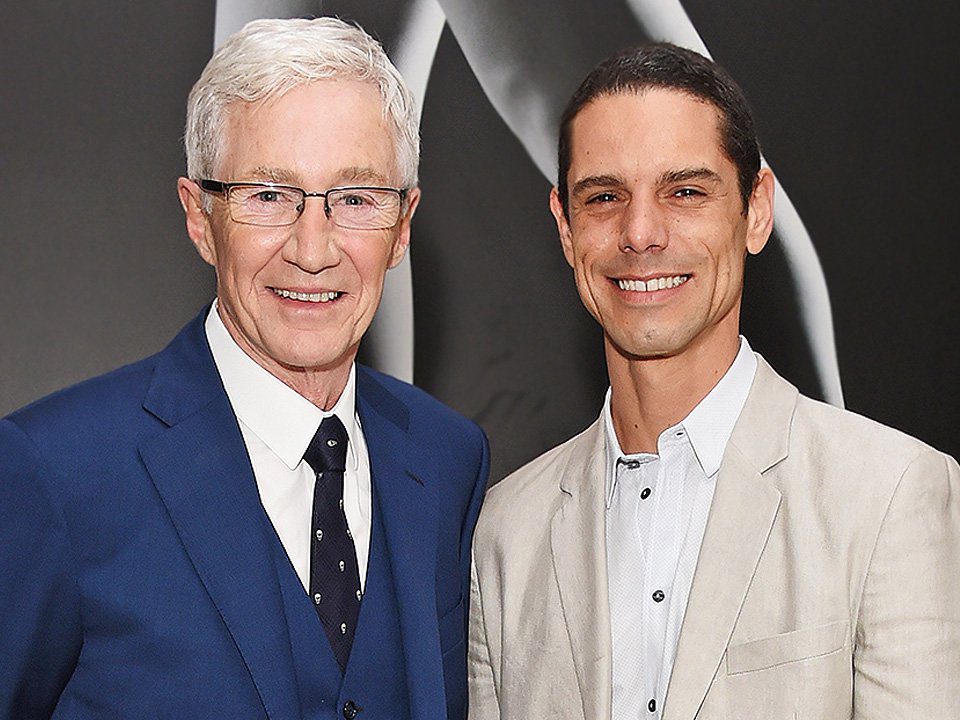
point(375, 678)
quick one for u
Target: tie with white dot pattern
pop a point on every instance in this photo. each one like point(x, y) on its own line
point(334, 577)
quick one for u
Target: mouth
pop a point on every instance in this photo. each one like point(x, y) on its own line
point(308, 297)
point(662, 282)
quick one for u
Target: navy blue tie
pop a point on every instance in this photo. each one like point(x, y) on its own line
point(334, 576)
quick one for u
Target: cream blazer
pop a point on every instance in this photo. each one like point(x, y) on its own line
point(827, 586)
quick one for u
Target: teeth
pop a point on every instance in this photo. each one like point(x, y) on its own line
point(320, 297)
point(660, 283)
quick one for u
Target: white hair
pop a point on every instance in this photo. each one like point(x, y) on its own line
point(266, 58)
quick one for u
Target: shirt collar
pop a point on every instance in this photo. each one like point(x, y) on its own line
point(707, 427)
point(284, 420)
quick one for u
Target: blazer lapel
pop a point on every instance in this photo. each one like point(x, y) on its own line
point(578, 544)
point(741, 516)
point(405, 488)
point(200, 468)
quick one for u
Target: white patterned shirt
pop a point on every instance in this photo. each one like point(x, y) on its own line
point(657, 507)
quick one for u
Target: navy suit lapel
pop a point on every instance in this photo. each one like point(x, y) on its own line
point(200, 468)
point(405, 485)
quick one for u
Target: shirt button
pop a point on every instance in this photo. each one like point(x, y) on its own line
point(350, 710)
point(331, 443)
point(652, 706)
point(342, 566)
point(633, 464)
point(658, 596)
point(317, 598)
point(343, 628)
point(319, 535)
point(645, 493)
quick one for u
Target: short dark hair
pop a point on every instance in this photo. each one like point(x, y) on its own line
point(664, 65)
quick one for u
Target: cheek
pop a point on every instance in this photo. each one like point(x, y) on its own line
point(582, 269)
point(246, 259)
point(729, 276)
point(370, 262)
point(590, 282)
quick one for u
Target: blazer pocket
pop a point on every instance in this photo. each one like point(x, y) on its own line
point(452, 627)
point(786, 648)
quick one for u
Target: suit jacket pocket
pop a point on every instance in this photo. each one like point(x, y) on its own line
point(452, 627)
point(787, 647)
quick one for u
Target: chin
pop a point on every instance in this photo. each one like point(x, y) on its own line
point(307, 356)
point(325, 361)
point(651, 345)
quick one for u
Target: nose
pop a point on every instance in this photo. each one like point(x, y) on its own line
point(312, 245)
point(645, 226)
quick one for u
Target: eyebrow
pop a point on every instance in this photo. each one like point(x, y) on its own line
point(687, 174)
point(270, 174)
point(353, 174)
point(594, 181)
point(359, 174)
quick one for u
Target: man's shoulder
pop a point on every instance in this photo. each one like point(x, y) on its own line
point(534, 488)
point(91, 401)
point(862, 456)
point(412, 406)
point(838, 449)
point(830, 435)
point(845, 427)
point(80, 433)
point(108, 406)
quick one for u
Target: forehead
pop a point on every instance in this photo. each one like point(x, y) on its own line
point(653, 130)
point(311, 132)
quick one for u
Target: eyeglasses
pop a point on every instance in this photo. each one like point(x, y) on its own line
point(271, 205)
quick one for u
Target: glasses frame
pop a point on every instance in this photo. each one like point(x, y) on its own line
point(218, 187)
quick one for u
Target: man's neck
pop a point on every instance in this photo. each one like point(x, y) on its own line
point(322, 386)
point(650, 395)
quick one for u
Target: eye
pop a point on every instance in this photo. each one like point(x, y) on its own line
point(603, 197)
point(689, 192)
point(355, 200)
point(254, 195)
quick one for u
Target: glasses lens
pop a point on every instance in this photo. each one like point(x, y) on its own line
point(364, 208)
point(265, 205)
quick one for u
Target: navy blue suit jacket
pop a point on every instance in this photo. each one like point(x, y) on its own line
point(136, 577)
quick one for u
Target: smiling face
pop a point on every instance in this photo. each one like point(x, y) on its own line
point(657, 232)
point(298, 299)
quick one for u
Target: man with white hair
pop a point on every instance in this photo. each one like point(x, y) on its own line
point(249, 524)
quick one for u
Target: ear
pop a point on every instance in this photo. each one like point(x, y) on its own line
point(563, 225)
point(760, 212)
point(198, 222)
point(402, 240)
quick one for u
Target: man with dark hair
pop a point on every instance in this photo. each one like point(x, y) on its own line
point(670, 67)
point(715, 545)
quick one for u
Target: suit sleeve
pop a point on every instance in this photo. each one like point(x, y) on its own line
point(482, 691)
point(40, 630)
point(473, 512)
point(907, 653)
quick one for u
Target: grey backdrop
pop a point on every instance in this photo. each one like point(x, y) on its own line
point(856, 110)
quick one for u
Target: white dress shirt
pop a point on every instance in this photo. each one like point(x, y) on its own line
point(657, 507)
point(277, 424)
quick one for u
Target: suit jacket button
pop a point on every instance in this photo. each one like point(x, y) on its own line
point(350, 710)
